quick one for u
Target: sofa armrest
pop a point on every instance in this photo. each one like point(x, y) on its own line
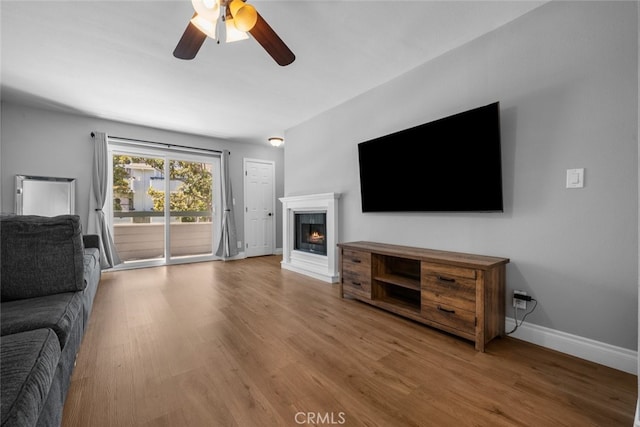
point(91, 241)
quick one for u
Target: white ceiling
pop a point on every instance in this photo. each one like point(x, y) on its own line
point(113, 59)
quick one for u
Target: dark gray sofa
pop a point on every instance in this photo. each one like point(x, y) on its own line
point(49, 274)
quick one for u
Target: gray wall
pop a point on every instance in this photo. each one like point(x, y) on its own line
point(566, 75)
point(50, 143)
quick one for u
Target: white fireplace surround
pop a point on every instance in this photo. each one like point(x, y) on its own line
point(318, 266)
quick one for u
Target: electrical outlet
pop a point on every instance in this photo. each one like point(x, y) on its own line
point(518, 303)
point(239, 244)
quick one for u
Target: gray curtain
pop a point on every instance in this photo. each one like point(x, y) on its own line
point(97, 224)
point(227, 246)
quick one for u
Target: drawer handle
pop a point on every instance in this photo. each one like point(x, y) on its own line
point(446, 279)
point(445, 310)
point(356, 283)
point(357, 261)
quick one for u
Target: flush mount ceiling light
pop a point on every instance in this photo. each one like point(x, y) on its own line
point(276, 141)
point(236, 18)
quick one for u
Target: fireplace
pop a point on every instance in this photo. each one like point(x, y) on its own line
point(310, 227)
point(311, 232)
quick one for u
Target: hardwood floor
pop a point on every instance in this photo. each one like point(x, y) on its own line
point(244, 343)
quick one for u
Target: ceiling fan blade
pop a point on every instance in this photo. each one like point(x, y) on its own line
point(190, 42)
point(271, 42)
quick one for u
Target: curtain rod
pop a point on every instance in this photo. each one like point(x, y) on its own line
point(161, 143)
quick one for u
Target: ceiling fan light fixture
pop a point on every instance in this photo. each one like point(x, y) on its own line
point(240, 19)
point(206, 26)
point(208, 9)
point(246, 17)
point(234, 6)
point(233, 33)
point(276, 141)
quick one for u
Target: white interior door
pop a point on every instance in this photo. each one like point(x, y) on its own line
point(259, 202)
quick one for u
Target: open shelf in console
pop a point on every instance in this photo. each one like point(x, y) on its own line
point(396, 281)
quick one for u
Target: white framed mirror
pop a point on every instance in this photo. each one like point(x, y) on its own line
point(44, 195)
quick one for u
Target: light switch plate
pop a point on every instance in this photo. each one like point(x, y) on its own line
point(575, 178)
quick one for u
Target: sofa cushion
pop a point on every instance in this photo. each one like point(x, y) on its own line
point(28, 364)
point(57, 312)
point(40, 256)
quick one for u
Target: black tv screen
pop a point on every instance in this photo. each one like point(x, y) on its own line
point(449, 165)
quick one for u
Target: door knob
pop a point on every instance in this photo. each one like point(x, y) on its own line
point(270, 214)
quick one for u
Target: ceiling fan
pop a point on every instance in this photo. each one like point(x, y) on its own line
point(236, 18)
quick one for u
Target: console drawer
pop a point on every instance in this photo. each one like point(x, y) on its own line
point(453, 317)
point(356, 284)
point(356, 273)
point(356, 260)
point(432, 269)
point(449, 285)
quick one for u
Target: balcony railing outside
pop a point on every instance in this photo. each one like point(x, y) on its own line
point(142, 241)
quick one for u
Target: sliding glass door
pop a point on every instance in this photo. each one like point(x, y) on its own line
point(191, 214)
point(138, 224)
point(164, 205)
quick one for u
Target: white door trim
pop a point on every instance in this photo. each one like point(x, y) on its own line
point(273, 200)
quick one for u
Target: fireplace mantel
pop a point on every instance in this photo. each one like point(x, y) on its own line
point(323, 267)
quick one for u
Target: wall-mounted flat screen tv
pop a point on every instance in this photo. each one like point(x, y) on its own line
point(448, 165)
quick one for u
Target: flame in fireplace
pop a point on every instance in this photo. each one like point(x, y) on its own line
point(316, 237)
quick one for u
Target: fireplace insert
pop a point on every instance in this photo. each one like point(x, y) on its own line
point(311, 232)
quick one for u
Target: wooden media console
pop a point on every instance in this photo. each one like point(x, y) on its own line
point(463, 294)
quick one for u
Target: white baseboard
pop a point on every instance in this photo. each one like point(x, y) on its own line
point(594, 351)
point(278, 251)
point(636, 420)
